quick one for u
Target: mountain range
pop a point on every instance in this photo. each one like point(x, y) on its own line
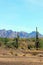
point(12, 34)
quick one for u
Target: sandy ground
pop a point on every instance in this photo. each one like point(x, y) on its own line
point(22, 61)
point(22, 58)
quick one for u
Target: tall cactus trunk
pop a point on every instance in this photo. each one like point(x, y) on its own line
point(37, 40)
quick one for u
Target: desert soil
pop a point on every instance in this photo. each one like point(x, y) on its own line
point(22, 61)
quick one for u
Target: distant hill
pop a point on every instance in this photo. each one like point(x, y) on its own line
point(33, 34)
point(13, 34)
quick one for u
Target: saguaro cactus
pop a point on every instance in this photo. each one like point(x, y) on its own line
point(37, 40)
point(17, 39)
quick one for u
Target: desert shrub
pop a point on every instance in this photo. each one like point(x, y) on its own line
point(8, 45)
point(22, 47)
point(24, 55)
point(33, 39)
point(31, 46)
point(34, 53)
point(27, 39)
point(11, 52)
point(14, 44)
point(2, 39)
point(0, 44)
point(6, 40)
point(41, 44)
point(16, 54)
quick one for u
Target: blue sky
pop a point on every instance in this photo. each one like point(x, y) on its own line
point(21, 15)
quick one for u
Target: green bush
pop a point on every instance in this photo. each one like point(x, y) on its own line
point(41, 44)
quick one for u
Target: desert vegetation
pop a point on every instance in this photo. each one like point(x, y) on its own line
point(22, 43)
point(21, 49)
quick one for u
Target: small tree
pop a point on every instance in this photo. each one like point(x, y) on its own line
point(37, 40)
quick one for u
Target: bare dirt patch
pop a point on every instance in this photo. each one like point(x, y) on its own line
point(21, 61)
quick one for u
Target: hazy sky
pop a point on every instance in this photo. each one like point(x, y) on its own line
point(21, 15)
